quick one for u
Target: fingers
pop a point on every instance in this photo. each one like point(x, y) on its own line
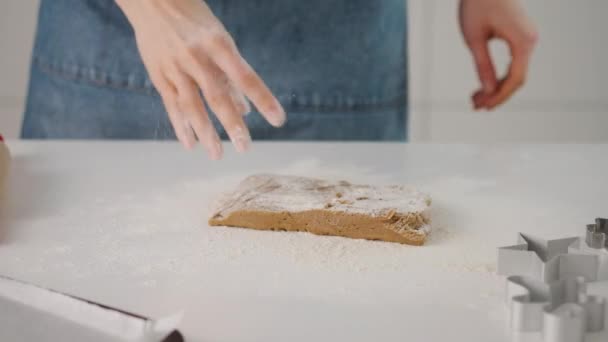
point(224, 53)
point(521, 50)
point(168, 94)
point(192, 108)
point(226, 102)
point(484, 65)
point(229, 109)
point(521, 44)
point(187, 50)
point(207, 136)
point(213, 65)
point(479, 99)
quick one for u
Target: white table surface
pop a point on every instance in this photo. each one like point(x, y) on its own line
point(124, 223)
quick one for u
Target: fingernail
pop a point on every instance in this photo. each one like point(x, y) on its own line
point(185, 142)
point(277, 116)
point(241, 139)
point(188, 144)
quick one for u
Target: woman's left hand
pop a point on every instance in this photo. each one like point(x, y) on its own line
point(483, 20)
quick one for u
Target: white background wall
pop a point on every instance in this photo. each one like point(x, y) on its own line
point(17, 25)
point(565, 99)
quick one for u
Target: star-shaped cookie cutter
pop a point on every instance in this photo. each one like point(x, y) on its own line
point(562, 310)
point(597, 234)
point(546, 260)
point(546, 287)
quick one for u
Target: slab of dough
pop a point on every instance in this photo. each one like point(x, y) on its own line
point(288, 203)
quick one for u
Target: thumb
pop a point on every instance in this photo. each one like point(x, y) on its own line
point(484, 65)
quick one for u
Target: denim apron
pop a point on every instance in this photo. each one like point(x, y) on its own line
point(338, 67)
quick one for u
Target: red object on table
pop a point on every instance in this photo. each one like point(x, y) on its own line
point(1, 138)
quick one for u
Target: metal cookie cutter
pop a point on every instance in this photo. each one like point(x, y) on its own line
point(546, 260)
point(561, 310)
point(546, 288)
point(597, 234)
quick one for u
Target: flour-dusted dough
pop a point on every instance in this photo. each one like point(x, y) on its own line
point(288, 203)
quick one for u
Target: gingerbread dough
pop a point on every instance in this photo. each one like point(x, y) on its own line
point(289, 203)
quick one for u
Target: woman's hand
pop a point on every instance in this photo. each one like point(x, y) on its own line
point(482, 20)
point(187, 50)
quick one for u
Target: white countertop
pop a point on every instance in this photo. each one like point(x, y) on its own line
point(124, 223)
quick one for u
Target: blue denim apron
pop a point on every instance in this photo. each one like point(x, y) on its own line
point(338, 67)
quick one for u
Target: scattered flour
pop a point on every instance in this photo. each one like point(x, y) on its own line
point(159, 238)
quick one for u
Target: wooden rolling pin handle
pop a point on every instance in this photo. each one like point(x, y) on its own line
point(4, 162)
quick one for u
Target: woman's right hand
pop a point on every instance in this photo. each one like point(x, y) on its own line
point(186, 50)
